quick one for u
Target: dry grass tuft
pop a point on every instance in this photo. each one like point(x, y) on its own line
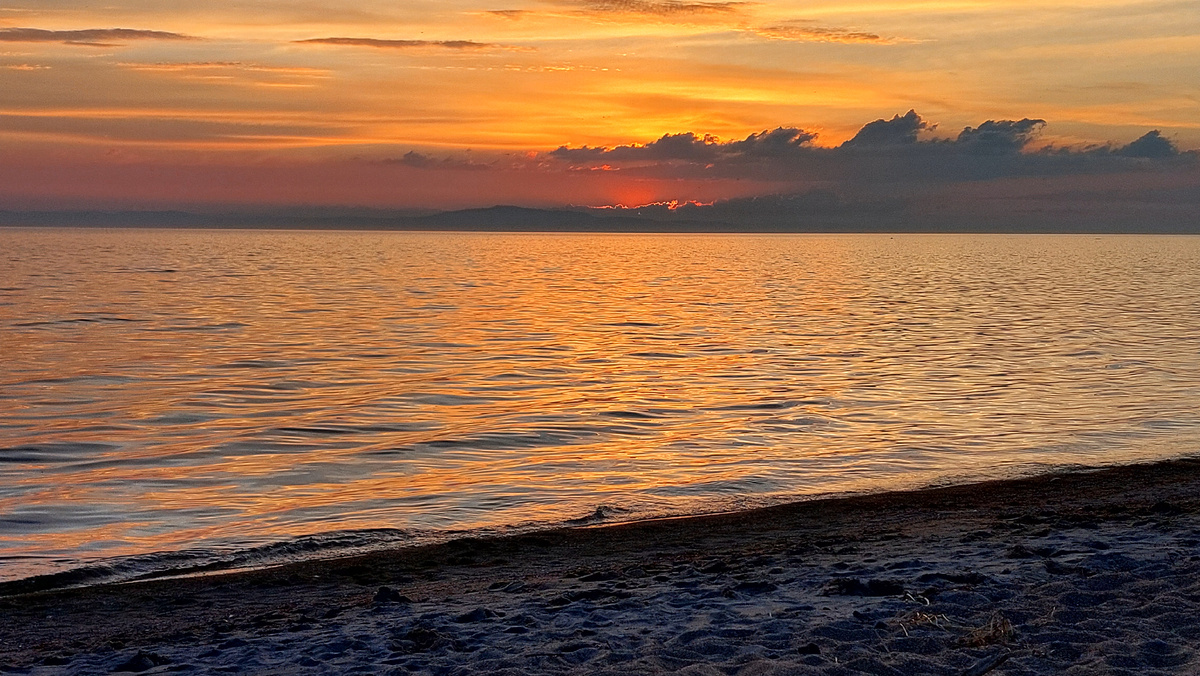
point(917, 619)
point(997, 630)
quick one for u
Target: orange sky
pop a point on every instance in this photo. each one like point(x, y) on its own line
point(255, 101)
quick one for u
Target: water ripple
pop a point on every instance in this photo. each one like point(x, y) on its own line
point(190, 400)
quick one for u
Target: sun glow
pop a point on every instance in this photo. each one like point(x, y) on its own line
point(375, 80)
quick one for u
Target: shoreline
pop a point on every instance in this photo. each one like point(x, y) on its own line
point(898, 582)
point(102, 572)
point(99, 572)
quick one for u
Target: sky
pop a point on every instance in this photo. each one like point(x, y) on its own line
point(142, 104)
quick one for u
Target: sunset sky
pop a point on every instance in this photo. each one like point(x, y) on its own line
point(152, 104)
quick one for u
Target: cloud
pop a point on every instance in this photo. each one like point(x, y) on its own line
point(226, 65)
point(91, 37)
point(1000, 137)
point(678, 12)
point(899, 150)
point(180, 129)
point(418, 160)
point(898, 131)
point(902, 133)
point(407, 44)
point(671, 147)
point(779, 142)
point(1152, 145)
point(989, 177)
point(233, 73)
point(798, 32)
point(657, 7)
point(511, 14)
point(689, 147)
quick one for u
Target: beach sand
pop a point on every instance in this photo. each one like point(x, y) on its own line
point(1089, 573)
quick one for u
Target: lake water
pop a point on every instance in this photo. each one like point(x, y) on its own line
point(170, 399)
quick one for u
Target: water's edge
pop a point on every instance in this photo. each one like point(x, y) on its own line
point(336, 545)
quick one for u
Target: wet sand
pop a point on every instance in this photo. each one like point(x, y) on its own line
point(1090, 573)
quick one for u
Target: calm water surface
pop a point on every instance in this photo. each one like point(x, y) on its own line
point(174, 398)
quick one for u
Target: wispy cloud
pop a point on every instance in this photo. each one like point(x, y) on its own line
point(623, 10)
point(90, 37)
point(508, 13)
point(466, 45)
point(234, 73)
point(226, 65)
point(658, 7)
point(418, 160)
point(176, 129)
point(804, 31)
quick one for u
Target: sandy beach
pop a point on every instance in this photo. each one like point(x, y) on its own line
point(1090, 572)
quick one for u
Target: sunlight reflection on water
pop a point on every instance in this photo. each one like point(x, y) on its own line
point(217, 390)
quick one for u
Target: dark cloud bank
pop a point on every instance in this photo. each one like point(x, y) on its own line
point(883, 150)
point(895, 175)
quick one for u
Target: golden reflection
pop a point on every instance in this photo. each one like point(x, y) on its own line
point(178, 390)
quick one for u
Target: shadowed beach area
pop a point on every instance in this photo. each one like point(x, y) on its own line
point(1093, 572)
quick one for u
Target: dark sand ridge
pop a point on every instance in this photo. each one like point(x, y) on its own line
point(1089, 572)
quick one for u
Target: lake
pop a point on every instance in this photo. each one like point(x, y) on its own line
point(171, 399)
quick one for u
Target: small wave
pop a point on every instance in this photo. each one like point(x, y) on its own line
point(1128, 363)
point(201, 561)
point(400, 427)
point(181, 419)
point(255, 364)
point(323, 431)
point(634, 324)
point(452, 399)
point(223, 326)
point(762, 406)
point(76, 320)
point(145, 271)
point(603, 514)
point(634, 415)
point(336, 430)
point(83, 379)
point(53, 452)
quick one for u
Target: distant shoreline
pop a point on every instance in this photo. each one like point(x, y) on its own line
point(499, 231)
point(582, 220)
